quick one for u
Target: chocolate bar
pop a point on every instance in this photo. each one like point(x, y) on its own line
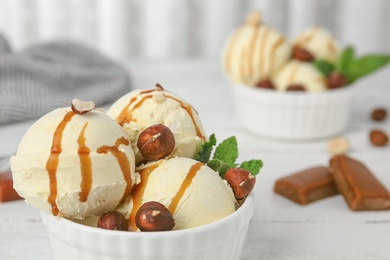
point(360, 188)
point(7, 192)
point(307, 186)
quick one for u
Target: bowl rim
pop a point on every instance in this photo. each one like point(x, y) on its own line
point(243, 209)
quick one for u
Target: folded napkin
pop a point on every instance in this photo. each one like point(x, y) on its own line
point(47, 76)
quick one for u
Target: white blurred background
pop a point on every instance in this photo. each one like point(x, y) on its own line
point(175, 29)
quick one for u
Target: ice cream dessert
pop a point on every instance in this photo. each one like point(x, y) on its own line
point(78, 162)
point(298, 75)
point(258, 56)
point(75, 162)
point(140, 109)
point(255, 52)
point(194, 193)
point(318, 43)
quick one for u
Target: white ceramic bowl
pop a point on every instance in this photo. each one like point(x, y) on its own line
point(293, 115)
point(223, 239)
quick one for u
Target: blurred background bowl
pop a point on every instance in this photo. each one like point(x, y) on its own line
point(293, 115)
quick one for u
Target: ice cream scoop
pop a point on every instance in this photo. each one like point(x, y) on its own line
point(303, 74)
point(141, 109)
point(75, 165)
point(255, 52)
point(319, 43)
point(194, 193)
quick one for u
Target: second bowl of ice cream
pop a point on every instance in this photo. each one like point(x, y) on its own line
point(298, 90)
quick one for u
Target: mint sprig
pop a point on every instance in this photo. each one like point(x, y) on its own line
point(352, 67)
point(324, 66)
point(225, 156)
point(206, 149)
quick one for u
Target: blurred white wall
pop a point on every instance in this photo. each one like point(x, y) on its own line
point(162, 29)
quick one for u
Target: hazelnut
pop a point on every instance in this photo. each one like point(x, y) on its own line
point(336, 80)
point(112, 220)
point(379, 114)
point(154, 216)
point(378, 138)
point(302, 54)
point(82, 107)
point(338, 145)
point(296, 87)
point(265, 84)
point(156, 142)
point(241, 181)
point(159, 87)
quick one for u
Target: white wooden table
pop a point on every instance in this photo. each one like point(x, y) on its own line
point(279, 229)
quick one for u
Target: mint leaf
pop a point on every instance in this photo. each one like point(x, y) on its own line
point(346, 57)
point(206, 149)
point(323, 66)
point(227, 151)
point(219, 166)
point(254, 166)
point(367, 64)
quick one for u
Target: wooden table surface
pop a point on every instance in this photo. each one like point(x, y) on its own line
point(280, 229)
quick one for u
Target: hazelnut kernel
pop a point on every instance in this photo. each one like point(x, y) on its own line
point(82, 107)
point(296, 87)
point(378, 114)
point(378, 138)
point(302, 54)
point(156, 142)
point(336, 80)
point(112, 220)
point(241, 181)
point(338, 145)
point(154, 216)
point(265, 84)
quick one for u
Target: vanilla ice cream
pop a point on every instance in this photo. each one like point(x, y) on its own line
point(194, 193)
point(140, 109)
point(74, 165)
point(319, 43)
point(300, 73)
point(255, 52)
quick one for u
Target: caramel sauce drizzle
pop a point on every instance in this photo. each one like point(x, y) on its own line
point(188, 108)
point(293, 73)
point(53, 160)
point(263, 45)
point(85, 165)
point(331, 47)
point(138, 193)
point(126, 115)
point(273, 53)
point(311, 34)
point(252, 47)
point(186, 183)
point(123, 161)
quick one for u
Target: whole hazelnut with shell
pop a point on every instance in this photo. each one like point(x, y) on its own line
point(154, 216)
point(241, 181)
point(112, 220)
point(156, 142)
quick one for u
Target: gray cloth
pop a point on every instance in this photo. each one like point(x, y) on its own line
point(47, 76)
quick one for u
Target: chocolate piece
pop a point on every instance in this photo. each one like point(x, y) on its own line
point(7, 192)
point(307, 186)
point(360, 188)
